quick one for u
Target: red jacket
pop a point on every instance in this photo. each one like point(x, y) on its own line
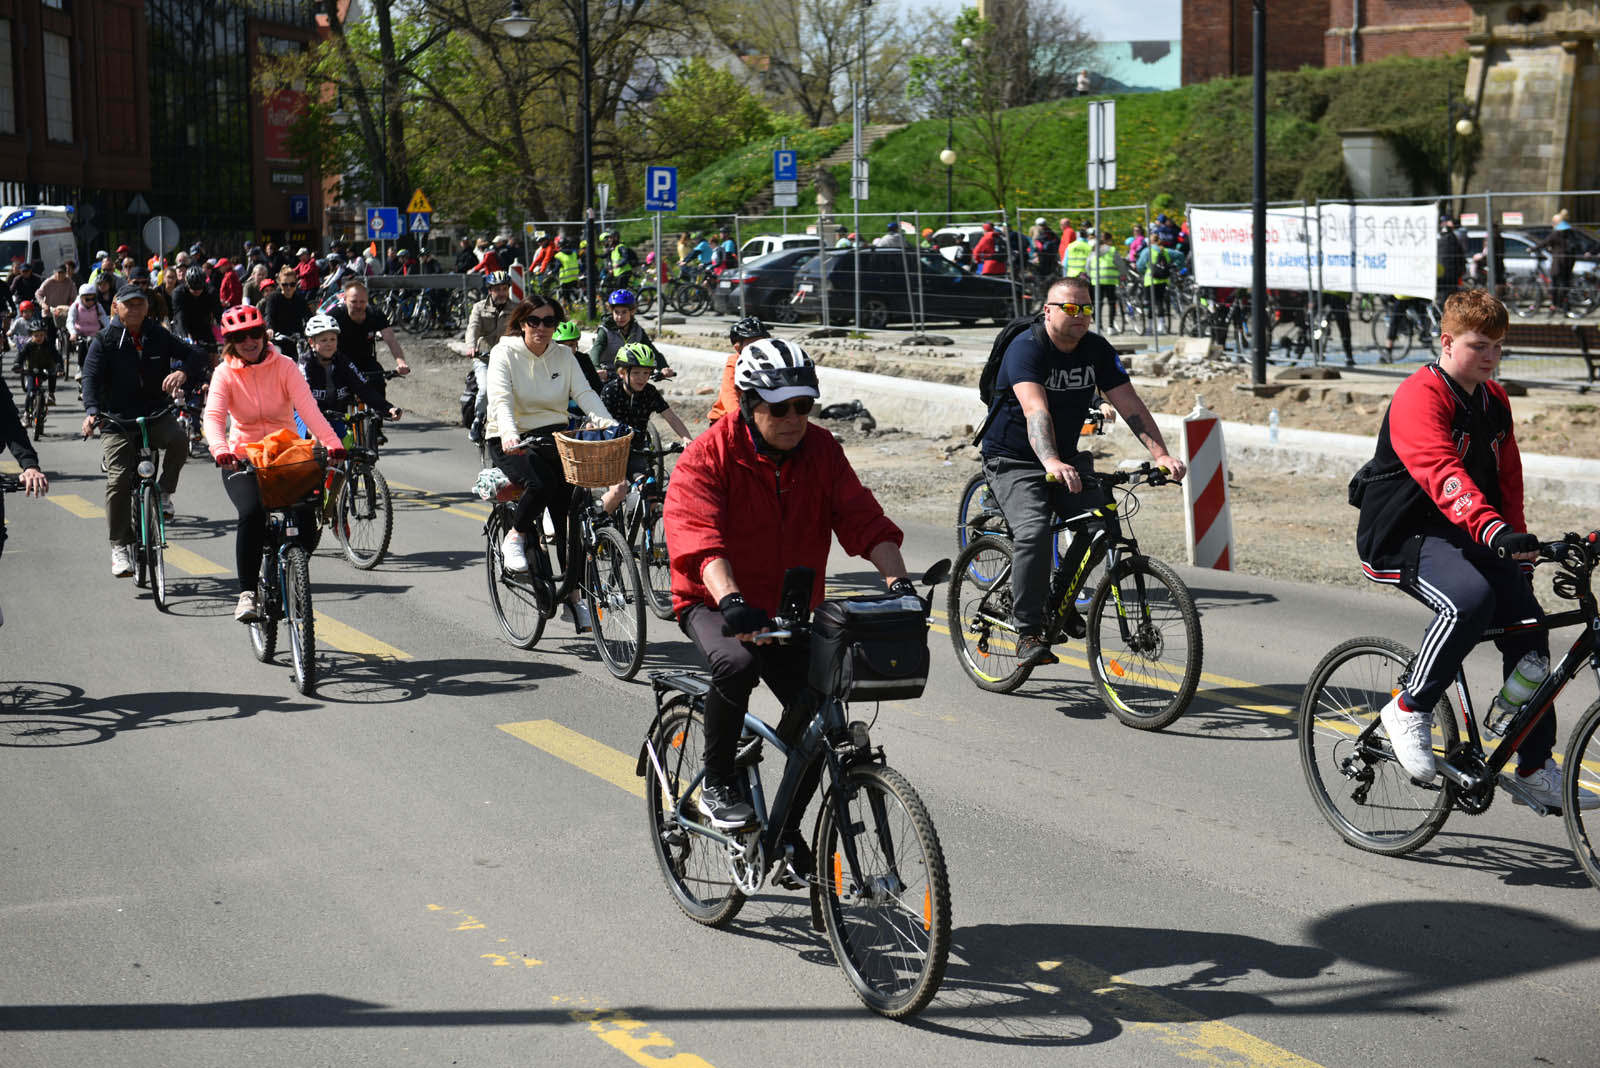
point(727, 500)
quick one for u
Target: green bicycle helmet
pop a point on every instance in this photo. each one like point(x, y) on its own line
point(567, 331)
point(636, 354)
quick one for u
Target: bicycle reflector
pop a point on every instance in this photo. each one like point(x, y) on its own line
point(147, 469)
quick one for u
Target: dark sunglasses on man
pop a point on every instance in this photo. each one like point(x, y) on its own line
point(800, 405)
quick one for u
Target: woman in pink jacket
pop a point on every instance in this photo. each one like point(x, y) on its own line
point(259, 390)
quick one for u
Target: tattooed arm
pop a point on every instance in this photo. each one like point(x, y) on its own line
point(1143, 425)
point(1042, 434)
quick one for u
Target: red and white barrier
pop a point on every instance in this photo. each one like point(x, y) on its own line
point(517, 275)
point(1206, 520)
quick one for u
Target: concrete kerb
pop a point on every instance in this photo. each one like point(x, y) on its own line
point(939, 409)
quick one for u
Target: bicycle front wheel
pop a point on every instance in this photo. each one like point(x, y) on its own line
point(616, 604)
point(1357, 784)
point(656, 563)
point(979, 615)
point(888, 914)
point(364, 519)
point(1144, 643)
point(690, 298)
point(694, 866)
point(511, 595)
point(264, 632)
point(1582, 786)
point(302, 626)
point(154, 549)
point(1527, 294)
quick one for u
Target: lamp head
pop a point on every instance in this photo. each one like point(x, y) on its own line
point(517, 24)
point(947, 156)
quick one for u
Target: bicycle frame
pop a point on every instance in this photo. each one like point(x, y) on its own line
point(147, 454)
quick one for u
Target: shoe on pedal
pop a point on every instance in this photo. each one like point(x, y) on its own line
point(247, 611)
point(721, 803)
point(122, 561)
point(796, 865)
point(514, 553)
point(1410, 733)
point(1546, 785)
point(167, 509)
point(1034, 651)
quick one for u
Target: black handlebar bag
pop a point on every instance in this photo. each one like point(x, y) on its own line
point(870, 648)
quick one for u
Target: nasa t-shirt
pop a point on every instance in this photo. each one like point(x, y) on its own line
point(1070, 381)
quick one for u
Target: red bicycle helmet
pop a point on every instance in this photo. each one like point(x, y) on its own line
point(244, 317)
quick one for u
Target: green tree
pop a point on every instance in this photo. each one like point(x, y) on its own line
point(704, 113)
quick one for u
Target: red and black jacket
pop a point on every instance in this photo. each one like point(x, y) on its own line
point(1445, 459)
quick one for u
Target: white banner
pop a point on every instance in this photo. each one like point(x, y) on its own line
point(1365, 248)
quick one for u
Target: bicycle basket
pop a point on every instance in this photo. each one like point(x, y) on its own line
point(287, 468)
point(594, 464)
point(870, 648)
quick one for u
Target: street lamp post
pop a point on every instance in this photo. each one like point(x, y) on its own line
point(1458, 120)
point(948, 158)
point(519, 25)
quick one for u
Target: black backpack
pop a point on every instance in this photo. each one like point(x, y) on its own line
point(991, 367)
point(1160, 266)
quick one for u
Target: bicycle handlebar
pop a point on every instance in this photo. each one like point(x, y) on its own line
point(10, 484)
point(1148, 472)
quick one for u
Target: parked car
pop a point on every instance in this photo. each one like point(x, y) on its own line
point(766, 284)
point(1519, 259)
point(889, 280)
point(763, 244)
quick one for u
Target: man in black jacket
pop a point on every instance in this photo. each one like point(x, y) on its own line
point(131, 369)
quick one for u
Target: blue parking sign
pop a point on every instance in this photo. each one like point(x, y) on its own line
point(661, 188)
point(383, 224)
point(785, 165)
point(299, 208)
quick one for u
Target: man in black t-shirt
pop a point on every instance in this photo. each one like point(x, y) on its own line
point(1047, 381)
point(360, 326)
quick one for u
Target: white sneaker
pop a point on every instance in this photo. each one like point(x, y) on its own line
point(247, 612)
point(121, 561)
point(167, 509)
point(513, 552)
point(1411, 735)
point(1545, 786)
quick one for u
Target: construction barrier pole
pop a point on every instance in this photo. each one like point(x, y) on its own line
point(1208, 526)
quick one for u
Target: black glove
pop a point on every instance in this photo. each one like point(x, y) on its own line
point(902, 587)
point(739, 617)
point(1507, 543)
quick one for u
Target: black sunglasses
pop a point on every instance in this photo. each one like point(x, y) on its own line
point(801, 406)
point(253, 334)
point(550, 322)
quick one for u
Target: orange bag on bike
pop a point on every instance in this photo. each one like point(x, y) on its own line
point(286, 467)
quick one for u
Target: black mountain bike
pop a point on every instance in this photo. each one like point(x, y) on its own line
point(36, 402)
point(359, 505)
point(1144, 646)
point(880, 890)
point(283, 590)
point(1360, 787)
point(646, 532)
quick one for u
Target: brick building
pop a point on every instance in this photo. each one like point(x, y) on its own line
point(1394, 28)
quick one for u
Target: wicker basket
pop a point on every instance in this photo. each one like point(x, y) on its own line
point(284, 485)
point(594, 464)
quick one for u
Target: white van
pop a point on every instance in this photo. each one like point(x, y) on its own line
point(39, 233)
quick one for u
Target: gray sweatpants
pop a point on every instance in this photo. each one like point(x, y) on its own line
point(1031, 505)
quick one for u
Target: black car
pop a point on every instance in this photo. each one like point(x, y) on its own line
point(890, 280)
point(767, 282)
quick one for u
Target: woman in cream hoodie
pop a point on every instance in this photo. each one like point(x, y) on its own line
point(531, 381)
point(259, 390)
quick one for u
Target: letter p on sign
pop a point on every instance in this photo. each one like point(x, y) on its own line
point(661, 189)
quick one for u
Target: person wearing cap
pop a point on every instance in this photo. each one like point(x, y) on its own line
point(131, 369)
point(24, 283)
point(160, 306)
point(306, 274)
point(893, 237)
point(740, 334)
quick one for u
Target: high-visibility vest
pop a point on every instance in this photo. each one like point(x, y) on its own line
point(570, 267)
point(1150, 279)
point(1104, 264)
point(1077, 257)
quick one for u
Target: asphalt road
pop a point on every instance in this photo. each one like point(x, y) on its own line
point(439, 859)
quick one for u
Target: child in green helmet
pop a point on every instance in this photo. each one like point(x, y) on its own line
point(631, 398)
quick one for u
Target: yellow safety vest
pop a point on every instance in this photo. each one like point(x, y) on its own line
point(1078, 257)
point(1104, 267)
point(570, 267)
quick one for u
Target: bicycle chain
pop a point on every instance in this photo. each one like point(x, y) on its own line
point(1464, 758)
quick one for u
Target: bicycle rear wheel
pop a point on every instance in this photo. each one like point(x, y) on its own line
point(1358, 786)
point(979, 615)
point(264, 632)
point(1144, 643)
point(889, 921)
point(616, 604)
point(1528, 294)
point(1582, 781)
point(691, 298)
point(364, 519)
point(302, 625)
point(694, 866)
point(656, 563)
point(153, 549)
point(511, 595)
point(978, 512)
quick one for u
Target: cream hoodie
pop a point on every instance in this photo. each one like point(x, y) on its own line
point(527, 392)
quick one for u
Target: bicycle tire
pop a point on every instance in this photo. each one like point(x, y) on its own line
point(977, 505)
point(616, 604)
point(1582, 778)
point(1344, 695)
point(1528, 294)
point(890, 936)
point(302, 623)
point(364, 517)
point(1582, 295)
point(513, 600)
point(1136, 679)
point(655, 561)
point(646, 297)
point(695, 867)
point(987, 653)
point(41, 406)
point(154, 549)
point(1189, 323)
point(264, 632)
point(691, 298)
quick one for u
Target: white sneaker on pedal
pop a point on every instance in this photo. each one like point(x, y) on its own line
point(1411, 735)
point(121, 561)
point(247, 611)
point(1545, 786)
point(513, 552)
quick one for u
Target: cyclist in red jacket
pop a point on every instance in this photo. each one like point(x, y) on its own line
point(762, 491)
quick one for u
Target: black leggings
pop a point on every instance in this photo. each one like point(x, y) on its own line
point(537, 469)
point(245, 493)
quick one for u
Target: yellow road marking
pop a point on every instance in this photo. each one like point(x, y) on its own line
point(191, 562)
point(8, 466)
point(635, 1039)
point(581, 751)
point(343, 636)
point(77, 505)
point(433, 500)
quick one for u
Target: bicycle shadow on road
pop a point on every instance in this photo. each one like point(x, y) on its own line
point(349, 679)
point(52, 715)
point(439, 560)
point(1264, 713)
point(1210, 597)
point(1513, 862)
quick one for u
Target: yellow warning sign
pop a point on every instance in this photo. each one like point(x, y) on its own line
point(418, 203)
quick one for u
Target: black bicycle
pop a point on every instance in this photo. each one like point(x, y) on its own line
point(1356, 780)
point(283, 588)
point(645, 530)
point(880, 889)
point(359, 505)
point(1144, 646)
point(36, 401)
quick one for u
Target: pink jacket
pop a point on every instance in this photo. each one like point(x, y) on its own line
point(260, 398)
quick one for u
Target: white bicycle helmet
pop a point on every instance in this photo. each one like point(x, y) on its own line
point(776, 370)
point(320, 323)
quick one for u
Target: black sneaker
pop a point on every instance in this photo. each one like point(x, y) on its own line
point(1034, 651)
point(721, 803)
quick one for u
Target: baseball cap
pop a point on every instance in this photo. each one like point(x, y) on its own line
point(131, 292)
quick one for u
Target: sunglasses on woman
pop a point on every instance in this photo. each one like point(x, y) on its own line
point(800, 405)
point(549, 322)
point(254, 334)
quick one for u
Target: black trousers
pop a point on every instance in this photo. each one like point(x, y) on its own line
point(245, 493)
point(537, 469)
